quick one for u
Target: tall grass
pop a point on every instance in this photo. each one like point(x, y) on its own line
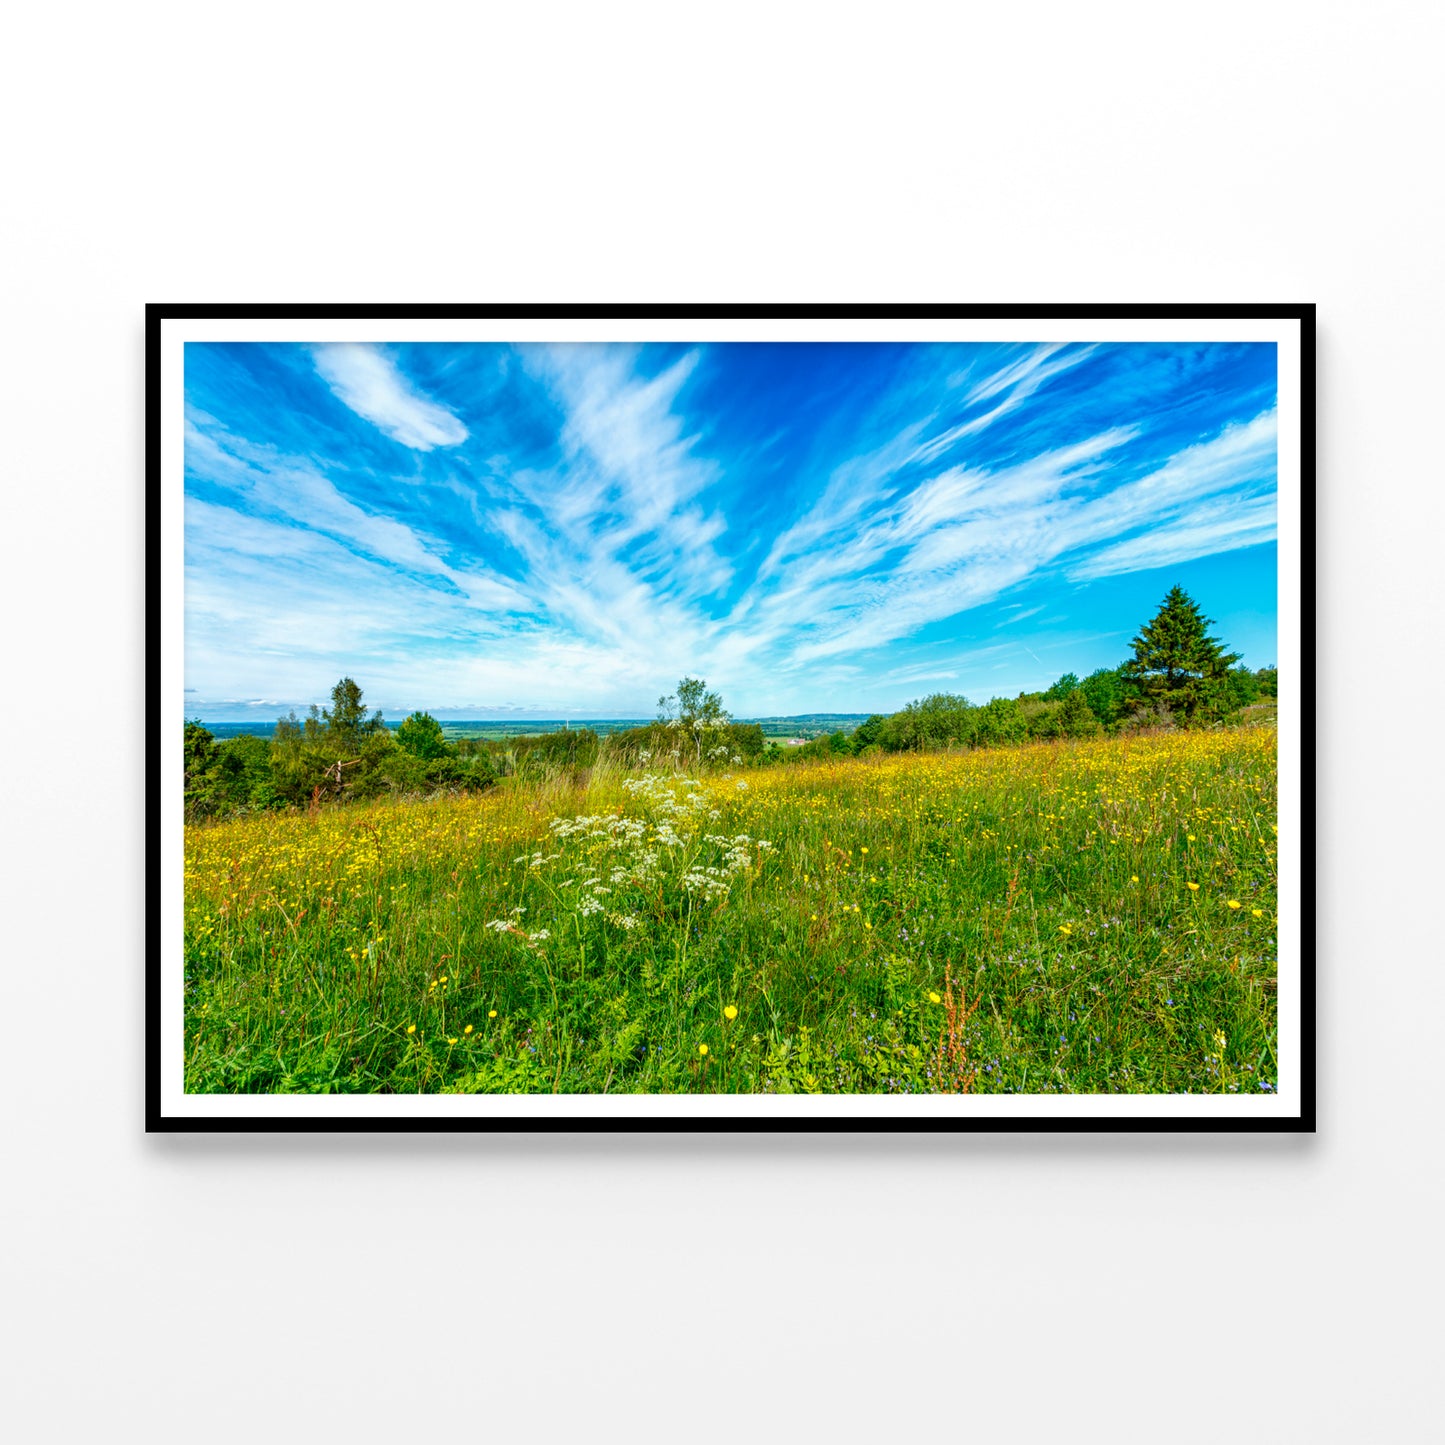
point(1016, 919)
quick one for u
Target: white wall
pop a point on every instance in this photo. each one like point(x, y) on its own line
point(1107, 1289)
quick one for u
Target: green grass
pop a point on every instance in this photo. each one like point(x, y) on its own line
point(969, 920)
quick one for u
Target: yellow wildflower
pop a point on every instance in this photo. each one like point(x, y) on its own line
point(492, 1014)
point(934, 998)
point(1192, 887)
point(702, 1049)
point(411, 1028)
point(730, 1012)
point(1234, 903)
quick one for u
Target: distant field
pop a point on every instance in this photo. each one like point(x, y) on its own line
point(1068, 917)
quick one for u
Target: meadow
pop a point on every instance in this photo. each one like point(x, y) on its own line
point(1075, 916)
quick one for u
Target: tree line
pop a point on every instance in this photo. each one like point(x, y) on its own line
point(1177, 675)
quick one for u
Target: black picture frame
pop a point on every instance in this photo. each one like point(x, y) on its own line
point(161, 1113)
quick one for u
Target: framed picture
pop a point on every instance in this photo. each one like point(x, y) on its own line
point(719, 717)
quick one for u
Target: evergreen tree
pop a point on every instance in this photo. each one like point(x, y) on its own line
point(1176, 663)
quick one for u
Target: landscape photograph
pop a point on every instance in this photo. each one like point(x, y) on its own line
point(884, 718)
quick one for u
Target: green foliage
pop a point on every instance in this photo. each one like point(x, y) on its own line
point(1062, 688)
point(421, 736)
point(345, 720)
point(1001, 721)
point(200, 753)
point(1176, 663)
point(941, 720)
point(225, 777)
point(1107, 694)
point(1076, 719)
point(409, 775)
point(241, 775)
point(554, 752)
point(692, 704)
point(695, 713)
point(830, 745)
point(1041, 718)
point(869, 732)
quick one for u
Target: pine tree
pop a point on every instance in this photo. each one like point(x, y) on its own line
point(1176, 663)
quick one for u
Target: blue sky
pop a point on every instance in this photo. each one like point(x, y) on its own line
point(485, 530)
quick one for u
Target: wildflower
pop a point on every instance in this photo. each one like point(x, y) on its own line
point(1190, 837)
point(1192, 887)
point(492, 1014)
point(1133, 878)
point(865, 850)
point(1258, 912)
point(730, 1012)
point(411, 1028)
point(702, 1050)
point(1065, 930)
point(451, 1041)
point(1234, 903)
point(468, 1029)
point(934, 998)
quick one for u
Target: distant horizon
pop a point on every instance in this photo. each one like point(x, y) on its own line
point(798, 523)
point(395, 720)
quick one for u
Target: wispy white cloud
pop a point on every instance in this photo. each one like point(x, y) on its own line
point(311, 504)
point(1017, 382)
point(1214, 496)
point(370, 383)
point(1019, 616)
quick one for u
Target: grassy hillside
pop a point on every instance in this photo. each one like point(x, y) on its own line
point(1071, 916)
